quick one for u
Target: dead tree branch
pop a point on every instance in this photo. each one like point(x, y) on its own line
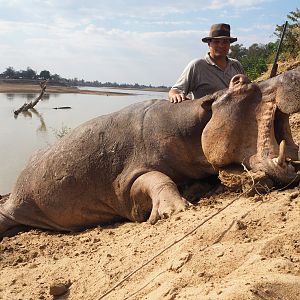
point(32, 104)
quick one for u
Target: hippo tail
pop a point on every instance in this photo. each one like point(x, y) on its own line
point(8, 227)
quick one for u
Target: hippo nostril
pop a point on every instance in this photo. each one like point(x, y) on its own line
point(236, 79)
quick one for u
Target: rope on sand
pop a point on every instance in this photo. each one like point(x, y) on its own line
point(171, 245)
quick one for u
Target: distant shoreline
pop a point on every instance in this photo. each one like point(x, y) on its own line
point(31, 86)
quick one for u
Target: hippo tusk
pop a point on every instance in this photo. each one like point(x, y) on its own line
point(295, 162)
point(281, 157)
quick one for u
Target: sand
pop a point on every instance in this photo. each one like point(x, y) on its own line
point(31, 86)
point(227, 246)
point(34, 88)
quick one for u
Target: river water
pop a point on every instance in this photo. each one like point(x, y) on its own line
point(20, 137)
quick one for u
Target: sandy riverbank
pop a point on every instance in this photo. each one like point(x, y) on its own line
point(227, 246)
point(35, 88)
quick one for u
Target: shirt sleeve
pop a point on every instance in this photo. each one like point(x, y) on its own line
point(185, 80)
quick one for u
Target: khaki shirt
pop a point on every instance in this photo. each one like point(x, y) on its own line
point(202, 76)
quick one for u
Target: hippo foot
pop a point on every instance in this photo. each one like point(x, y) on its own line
point(165, 207)
point(163, 193)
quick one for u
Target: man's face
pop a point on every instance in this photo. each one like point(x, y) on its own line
point(219, 47)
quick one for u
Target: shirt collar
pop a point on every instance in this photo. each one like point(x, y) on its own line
point(211, 62)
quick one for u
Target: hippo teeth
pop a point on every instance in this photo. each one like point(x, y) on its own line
point(284, 162)
point(282, 156)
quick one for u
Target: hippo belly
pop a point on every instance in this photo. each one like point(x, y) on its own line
point(112, 168)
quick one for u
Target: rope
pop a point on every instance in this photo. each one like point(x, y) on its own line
point(171, 245)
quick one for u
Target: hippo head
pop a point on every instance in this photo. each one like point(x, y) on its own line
point(250, 125)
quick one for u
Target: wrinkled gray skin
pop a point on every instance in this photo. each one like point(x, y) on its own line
point(127, 165)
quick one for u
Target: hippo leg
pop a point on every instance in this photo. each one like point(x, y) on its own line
point(166, 199)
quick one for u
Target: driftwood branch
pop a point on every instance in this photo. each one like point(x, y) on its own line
point(32, 104)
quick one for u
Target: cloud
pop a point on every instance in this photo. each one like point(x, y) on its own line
point(246, 4)
point(95, 53)
point(106, 9)
point(120, 41)
point(257, 27)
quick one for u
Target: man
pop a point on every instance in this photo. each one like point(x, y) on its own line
point(206, 76)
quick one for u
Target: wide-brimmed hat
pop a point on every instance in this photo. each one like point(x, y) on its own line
point(219, 31)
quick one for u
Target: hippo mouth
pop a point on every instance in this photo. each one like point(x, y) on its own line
point(259, 134)
point(277, 152)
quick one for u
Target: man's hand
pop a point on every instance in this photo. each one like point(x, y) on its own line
point(176, 96)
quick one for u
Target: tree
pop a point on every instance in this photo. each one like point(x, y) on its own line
point(9, 72)
point(45, 74)
point(255, 59)
point(28, 73)
point(254, 65)
point(55, 77)
point(291, 42)
point(237, 51)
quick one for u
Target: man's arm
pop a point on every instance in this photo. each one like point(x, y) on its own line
point(184, 84)
point(176, 96)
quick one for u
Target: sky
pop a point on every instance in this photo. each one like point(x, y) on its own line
point(130, 41)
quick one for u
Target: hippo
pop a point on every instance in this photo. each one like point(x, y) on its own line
point(128, 165)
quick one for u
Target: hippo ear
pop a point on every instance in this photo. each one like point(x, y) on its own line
point(208, 100)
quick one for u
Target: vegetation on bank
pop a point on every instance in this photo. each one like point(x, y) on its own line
point(254, 59)
point(257, 57)
point(30, 74)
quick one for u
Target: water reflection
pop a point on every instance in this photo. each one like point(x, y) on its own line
point(28, 114)
point(28, 96)
point(46, 97)
point(21, 137)
point(10, 96)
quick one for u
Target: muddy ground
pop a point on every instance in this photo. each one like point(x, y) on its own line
point(227, 246)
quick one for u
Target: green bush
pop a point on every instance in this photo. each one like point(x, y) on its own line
point(256, 58)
